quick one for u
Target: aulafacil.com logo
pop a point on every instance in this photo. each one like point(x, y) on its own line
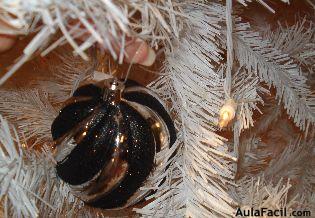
point(265, 212)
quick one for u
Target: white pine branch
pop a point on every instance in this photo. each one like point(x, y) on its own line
point(98, 21)
point(296, 162)
point(278, 70)
point(259, 146)
point(289, 161)
point(28, 184)
point(65, 77)
point(11, 190)
point(292, 39)
point(165, 203)
point(31, 111)
point(246, 92)
point(257, 192)
point(254, 156)
point(272, 111)
point(297, 40)
point(281, 166)
point(263, 3)
point(15, 179)
point(311, 3)
point(203, 167)
point(159, 179)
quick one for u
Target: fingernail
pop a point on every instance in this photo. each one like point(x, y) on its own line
point(139, 52)
point(150, 58)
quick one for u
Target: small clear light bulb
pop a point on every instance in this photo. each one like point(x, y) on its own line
point(227, 113)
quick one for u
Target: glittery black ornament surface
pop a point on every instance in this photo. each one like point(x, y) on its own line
point(106, 139)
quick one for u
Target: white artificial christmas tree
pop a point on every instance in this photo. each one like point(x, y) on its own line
point(240, 93)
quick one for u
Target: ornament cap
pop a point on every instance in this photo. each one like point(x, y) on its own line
point(113, 90)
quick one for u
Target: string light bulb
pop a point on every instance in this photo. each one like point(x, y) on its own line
point(227, 113)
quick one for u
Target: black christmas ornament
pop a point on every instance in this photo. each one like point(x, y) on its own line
point(106, 139)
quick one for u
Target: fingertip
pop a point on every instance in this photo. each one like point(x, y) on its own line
point(140, 53)
point(6, 42)
point(150, 58)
